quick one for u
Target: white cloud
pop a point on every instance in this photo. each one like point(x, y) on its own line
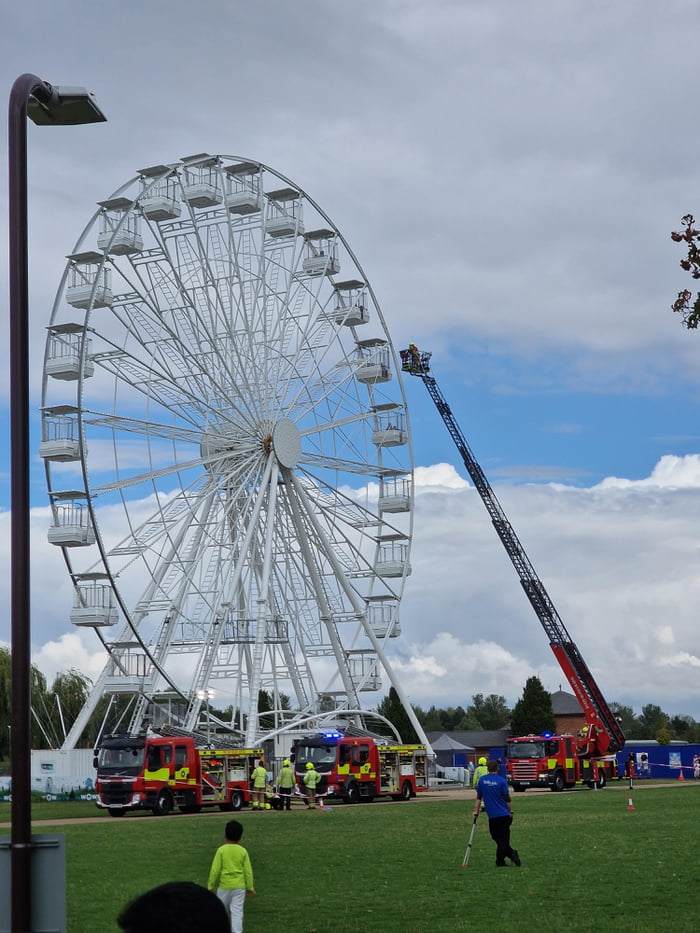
point(67, 652)
point(670, 472)
point(442, 475)
point(433, 671)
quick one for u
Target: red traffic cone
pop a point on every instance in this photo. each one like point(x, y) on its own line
point(680, 775)
point(630, 805)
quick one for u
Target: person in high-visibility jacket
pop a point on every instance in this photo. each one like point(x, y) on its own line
point(479, 771)
point(285, 785)
point(259, 779)
point(311, 779)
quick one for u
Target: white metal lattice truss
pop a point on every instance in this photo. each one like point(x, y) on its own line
point(227, 450)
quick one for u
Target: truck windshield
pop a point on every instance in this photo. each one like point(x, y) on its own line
point(532, 749)
point(318, 755)
point(120, 760)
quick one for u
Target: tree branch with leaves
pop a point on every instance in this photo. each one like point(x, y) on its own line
point(687, 304)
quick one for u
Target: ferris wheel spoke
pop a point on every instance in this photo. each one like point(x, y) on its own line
point(168, 341)
point(143, 428)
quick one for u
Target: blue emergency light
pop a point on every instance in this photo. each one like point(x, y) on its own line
point(332, 735)
point(547, 735)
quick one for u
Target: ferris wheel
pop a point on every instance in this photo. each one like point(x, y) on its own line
point(228, 458)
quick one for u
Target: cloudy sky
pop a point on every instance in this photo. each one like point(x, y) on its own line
point(508, 174)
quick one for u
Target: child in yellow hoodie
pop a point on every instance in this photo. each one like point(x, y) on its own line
point(231, 874)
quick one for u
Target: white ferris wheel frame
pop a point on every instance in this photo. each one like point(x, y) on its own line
point(256, 555)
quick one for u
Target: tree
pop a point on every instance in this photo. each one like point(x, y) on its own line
point(69, 691)
point(393, 709)
point(264, 706)
point(451, 717)
point(491, 711)
point(469, 722)
point(682, 304)
point(533, 712)
point(628, 721)
point(433, 720)
point(682, 727)
point(42, 730)
point(652, 719)
point(663, 736)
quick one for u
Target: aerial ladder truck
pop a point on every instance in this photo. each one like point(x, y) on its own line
point(538, 760)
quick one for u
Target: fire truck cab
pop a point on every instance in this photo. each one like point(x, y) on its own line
point(360, 768)
point(158, 773)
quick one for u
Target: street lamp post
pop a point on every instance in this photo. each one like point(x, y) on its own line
point(207, 695)
point(45, 105)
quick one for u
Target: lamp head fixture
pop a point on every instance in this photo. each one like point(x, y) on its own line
point(59, 105)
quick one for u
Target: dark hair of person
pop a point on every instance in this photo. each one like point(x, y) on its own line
point(175, 907)
point(233, 831)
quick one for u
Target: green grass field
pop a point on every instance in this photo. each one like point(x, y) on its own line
point(589, 863)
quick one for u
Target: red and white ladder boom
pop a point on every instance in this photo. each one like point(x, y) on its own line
point(604, 735)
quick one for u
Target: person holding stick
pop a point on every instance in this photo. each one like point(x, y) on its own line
point(494, 791)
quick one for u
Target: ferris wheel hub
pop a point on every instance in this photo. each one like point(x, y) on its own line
point(286, 443)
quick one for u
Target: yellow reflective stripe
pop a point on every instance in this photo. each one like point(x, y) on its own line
point(162, 774)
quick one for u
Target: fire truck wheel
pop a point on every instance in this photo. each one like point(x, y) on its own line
point(601, 780)
point(164, 804)
point(405, 792)
point(236, 799)
point(352, 793)
point(115, 811)
point(558, 782)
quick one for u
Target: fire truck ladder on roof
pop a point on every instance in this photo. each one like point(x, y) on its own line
point(597, 711)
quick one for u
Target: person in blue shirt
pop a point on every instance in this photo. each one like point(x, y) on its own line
point(493, 790)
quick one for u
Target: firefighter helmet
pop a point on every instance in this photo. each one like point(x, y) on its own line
point(309, 766)
point(482, 761)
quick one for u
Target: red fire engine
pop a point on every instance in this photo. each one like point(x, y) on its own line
point(160, 772)
point(544, 760)
point(556, 761)
point(356, 768)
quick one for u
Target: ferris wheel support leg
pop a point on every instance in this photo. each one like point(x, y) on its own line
point(263, 602)
point(348, 685)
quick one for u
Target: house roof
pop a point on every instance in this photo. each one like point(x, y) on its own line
point(565, 704)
